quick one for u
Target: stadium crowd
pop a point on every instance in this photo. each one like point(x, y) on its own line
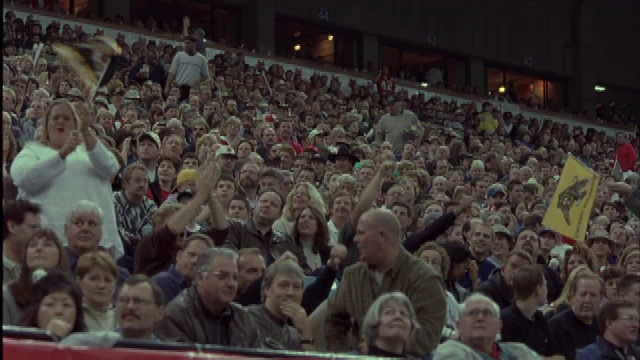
point(208, 201)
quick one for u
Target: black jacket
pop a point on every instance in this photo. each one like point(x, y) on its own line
point(496, 289)
point(569, 333)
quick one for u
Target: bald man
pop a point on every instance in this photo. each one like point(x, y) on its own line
point(384, 266)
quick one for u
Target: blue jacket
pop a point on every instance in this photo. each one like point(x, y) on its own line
point(603, 350)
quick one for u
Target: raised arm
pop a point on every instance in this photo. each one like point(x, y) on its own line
point(436, 228)
point(370, 193)
point(204, 186)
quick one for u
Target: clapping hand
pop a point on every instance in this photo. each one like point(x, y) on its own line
point(84, 116)
point(208, 175)
point(70, 144)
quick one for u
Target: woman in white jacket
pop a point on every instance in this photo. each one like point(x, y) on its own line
point(67, 163)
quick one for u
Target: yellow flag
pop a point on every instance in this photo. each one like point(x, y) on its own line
point(570, 208)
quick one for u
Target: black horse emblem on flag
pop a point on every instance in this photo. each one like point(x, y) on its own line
point(572, 196)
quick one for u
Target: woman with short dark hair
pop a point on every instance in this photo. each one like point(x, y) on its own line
point(55, 306)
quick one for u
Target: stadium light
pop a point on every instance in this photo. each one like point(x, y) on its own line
point(600, 88)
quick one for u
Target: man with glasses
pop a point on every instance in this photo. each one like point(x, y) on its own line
point(478, 327)
point(204, 313)
point(619, 322)
point(139, 308)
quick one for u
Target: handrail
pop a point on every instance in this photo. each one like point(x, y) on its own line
point(37, 347)
point(308, 68)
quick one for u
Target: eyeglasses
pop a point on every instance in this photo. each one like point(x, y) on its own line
point(488, 313)
point(224, 275)
point(124, 300)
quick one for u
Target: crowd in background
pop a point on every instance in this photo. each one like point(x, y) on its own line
point(209, 201)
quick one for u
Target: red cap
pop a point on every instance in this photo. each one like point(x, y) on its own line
point(567, 240)
point(312, 149)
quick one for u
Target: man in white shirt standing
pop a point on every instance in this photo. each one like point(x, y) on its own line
point(187, 70)
point(399, 127)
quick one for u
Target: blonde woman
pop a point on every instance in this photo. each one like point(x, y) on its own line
point(67, 164)
point(562, 303)
point(105, 119)
point(301, 196)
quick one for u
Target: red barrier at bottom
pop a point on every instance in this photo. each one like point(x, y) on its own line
point(30, 349)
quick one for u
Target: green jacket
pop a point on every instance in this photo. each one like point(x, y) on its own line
point(359, 289)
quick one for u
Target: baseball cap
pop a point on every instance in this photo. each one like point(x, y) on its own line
point(150, 136)
point(225, 150)
point(501, 229)
point(599, 234)
point(494, 190)
point(318, 157)
point(546, 230)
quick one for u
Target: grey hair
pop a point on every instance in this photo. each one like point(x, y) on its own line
point(372, 318)
point(285, 267)
point(345, 178)
point(85, 207)
point(205, 260)
point(480, 297)
point(477, 163)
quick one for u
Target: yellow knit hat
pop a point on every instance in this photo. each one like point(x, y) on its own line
point(186, 175)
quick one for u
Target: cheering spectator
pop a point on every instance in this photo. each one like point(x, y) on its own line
point(192, 316)
point(156, 252)
point(49, 170)
point(378, 237)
